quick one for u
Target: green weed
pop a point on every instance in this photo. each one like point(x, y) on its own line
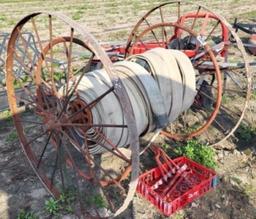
point(2, 18)
point(198, 152)
point(12, 137)
point(165, 147)
point(253, 95)
point(96, 200)
point(179, 215)
point(52, 206)
point(225, 99)
point(78, 15)
point(67, 198)
point(6, 115)
point(64, 204)
point(192, 128)
point(120, 35)
point(249, 189)
point(26, 215)
point(245, 132)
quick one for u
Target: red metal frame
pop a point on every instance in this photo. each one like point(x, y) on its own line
point(206, 15)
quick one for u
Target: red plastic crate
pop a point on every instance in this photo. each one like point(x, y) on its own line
point(197, 182)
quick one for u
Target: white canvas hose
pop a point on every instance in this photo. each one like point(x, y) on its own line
point(150, 87)
point(160, 88)
point(189, 80)
point(175, 75)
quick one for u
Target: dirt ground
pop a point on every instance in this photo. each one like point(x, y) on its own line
point(235, 196)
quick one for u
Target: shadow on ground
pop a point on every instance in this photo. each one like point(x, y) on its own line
point(226, 202)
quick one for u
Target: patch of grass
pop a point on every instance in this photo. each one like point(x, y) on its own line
point(78, 15)
point(67, 197)
point(111, 11)
point(225, 99)
point(26, 215)
point(12, 137)
point(66, 200)
point(15, 1)
point(136, 5)
point(12, 22)
point(198, 152)
point(62, 205)
point(3, 18)
point(96, 200)
point(249, 189)
point(6, 115)
point(165, 147)
point(245, 132)
point(253, 96)
point(58, 76)
point(84, 7)
point(119, 35)
point(179, 215)
point(52, 206)
point(112, 4)
point(250, 14)
point(88, 7)
point(193, 127)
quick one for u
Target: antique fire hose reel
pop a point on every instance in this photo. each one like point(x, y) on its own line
point(76, 114)
point(154, 97)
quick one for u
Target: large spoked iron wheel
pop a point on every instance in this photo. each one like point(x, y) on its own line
point(56, 125)
point(204, 112)
point(151, 31)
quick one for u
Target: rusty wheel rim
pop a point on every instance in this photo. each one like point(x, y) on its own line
point(179, 134)
point(53, 110)
point(180, 12)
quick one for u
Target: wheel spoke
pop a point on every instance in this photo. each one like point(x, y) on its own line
point(69, 58)
point(21, 62)
point(221, 106)
point(220, 126)
point(69, 95)
point(114, 148)
point(213, 29)
point(26, 47)
point(61, 166)
point(55, 165)
point(228, 90)
point(195, 18)
point(76, 171)
point(193, 23)
point(203, 27)
point(95, 163)
point(51, 56)
point(44, 149)
point(154, 34)
point(178, 10)
point(29, 121)
point(164, 33)
point(93, 103)
point(87, 156)
point(39, 41)
point(35, 138)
